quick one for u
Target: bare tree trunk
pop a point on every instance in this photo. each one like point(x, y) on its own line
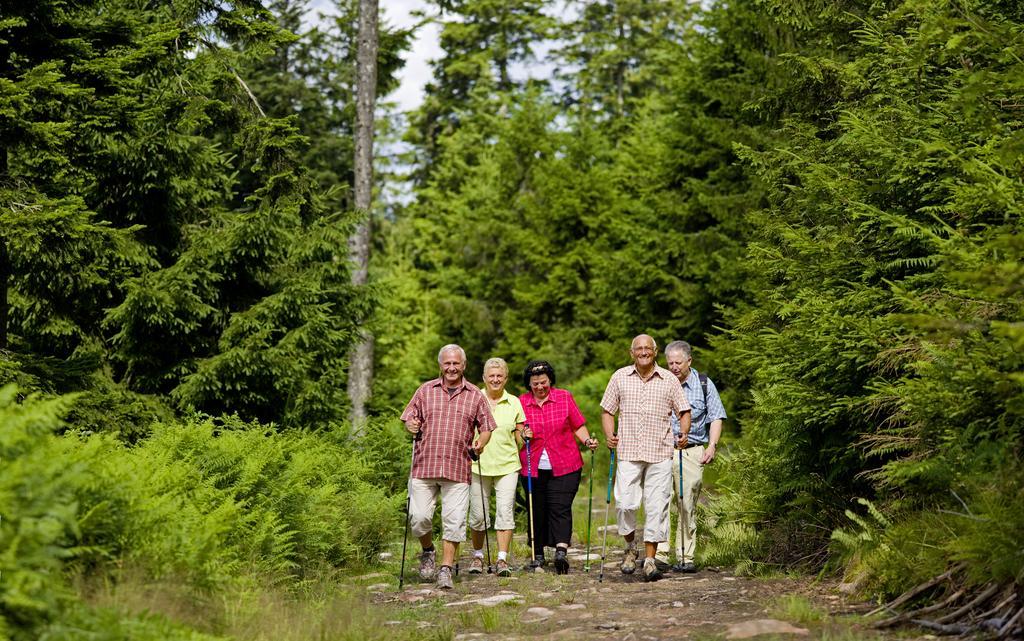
point(5, 267)
point(361, 363)
point(620, 70)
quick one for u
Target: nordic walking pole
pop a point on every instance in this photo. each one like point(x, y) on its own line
point(529, 498)
point(607, 506)
point(408, 501)
point(680, 476)
point(483, 504)
point(590, 510)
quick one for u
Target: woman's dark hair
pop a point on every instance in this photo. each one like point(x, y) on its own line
point(536, 368)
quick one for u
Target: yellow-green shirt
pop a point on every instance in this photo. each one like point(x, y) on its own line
point(501, 456)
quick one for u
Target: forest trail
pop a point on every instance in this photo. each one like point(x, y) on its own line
point(712, 604)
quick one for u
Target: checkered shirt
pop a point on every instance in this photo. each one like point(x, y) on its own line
point(447, 425)
point(701, 417)
point(644, 409)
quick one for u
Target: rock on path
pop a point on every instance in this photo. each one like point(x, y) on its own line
point(756, 627)
point(487, 601)
point(536, 614)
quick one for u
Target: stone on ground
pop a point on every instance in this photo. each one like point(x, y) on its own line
point(487, 601)
point(536, 615)
point(756, 627)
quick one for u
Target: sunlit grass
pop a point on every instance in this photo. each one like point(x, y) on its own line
point(798, 609)
point(332, 608)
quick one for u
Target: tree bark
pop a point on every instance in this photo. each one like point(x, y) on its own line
point(361, 362)
point(5, 267)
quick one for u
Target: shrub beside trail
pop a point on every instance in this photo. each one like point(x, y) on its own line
point(208, 505)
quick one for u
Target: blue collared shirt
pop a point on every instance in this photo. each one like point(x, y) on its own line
point(701, 416)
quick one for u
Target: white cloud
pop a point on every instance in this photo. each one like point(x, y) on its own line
point(416, 72)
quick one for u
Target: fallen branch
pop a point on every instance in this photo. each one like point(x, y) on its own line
point(1011, 595)
point(948, 601)
point(1011, 624)
point(973, 603)
point(914, 591)
point(941, 628)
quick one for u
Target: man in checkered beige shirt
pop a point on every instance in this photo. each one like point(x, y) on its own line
point(443, 415)
point(644, 396)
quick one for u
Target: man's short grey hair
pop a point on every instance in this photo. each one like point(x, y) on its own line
point(451, 348)
point(498, 363)
point(680, 346)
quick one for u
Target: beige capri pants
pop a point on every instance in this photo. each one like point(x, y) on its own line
point(651, 483)
point(423, 499)
point(504, 488)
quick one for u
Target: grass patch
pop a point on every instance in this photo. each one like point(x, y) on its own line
point(797, 609)
point(328, 608)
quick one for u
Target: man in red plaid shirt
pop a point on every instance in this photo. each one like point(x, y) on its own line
point(443, 415)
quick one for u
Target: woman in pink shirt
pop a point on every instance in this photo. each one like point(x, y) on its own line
point(556, 423)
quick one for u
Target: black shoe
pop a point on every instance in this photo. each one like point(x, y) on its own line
point(561, 563)
point(537, 562)
point(686, 568)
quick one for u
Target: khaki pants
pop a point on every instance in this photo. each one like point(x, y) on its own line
point(454, 501)
point(504, 488)
point(686, 527)
point(653, 483)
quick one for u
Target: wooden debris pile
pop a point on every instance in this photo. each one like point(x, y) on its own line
point(993, 611)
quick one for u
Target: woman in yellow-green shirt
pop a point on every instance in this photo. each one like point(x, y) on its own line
point(499, 469)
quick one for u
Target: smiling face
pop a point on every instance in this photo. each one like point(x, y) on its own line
point(495, 378)
point(540, 386)
point(643, 350)
point(452, 367)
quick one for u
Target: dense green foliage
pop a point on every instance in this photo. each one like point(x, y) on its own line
point(208, 504)
point(173, 237)
point(197, 256)
point(824, 198)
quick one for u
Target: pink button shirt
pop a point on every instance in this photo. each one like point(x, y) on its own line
point(553, 427)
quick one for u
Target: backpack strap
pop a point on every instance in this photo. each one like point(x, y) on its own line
point(704, 388)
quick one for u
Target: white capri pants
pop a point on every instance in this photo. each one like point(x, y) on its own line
point(423, 499)
point(504, 488)
point(653, 483)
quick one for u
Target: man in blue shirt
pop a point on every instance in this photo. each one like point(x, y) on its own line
point(707, 415)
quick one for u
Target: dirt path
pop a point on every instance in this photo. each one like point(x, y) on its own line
point(708, 605)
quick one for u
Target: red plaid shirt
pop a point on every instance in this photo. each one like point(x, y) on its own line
point(447, 425)
point(554, 426)
point(644, 409)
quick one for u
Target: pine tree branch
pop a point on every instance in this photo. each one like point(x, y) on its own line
point(216, 51)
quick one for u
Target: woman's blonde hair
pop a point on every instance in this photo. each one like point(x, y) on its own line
point(496, 362)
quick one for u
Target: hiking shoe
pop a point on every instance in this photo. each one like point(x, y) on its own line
point(444, 578)
point(662, 566)
point(477, 566)
point(561, 563)
point(427, 566)
point(537, 562)
point(629, 561)
point(686, 567)
point(502, 568)
point(651, 571)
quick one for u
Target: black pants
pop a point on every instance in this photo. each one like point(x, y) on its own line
point(552, 507)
